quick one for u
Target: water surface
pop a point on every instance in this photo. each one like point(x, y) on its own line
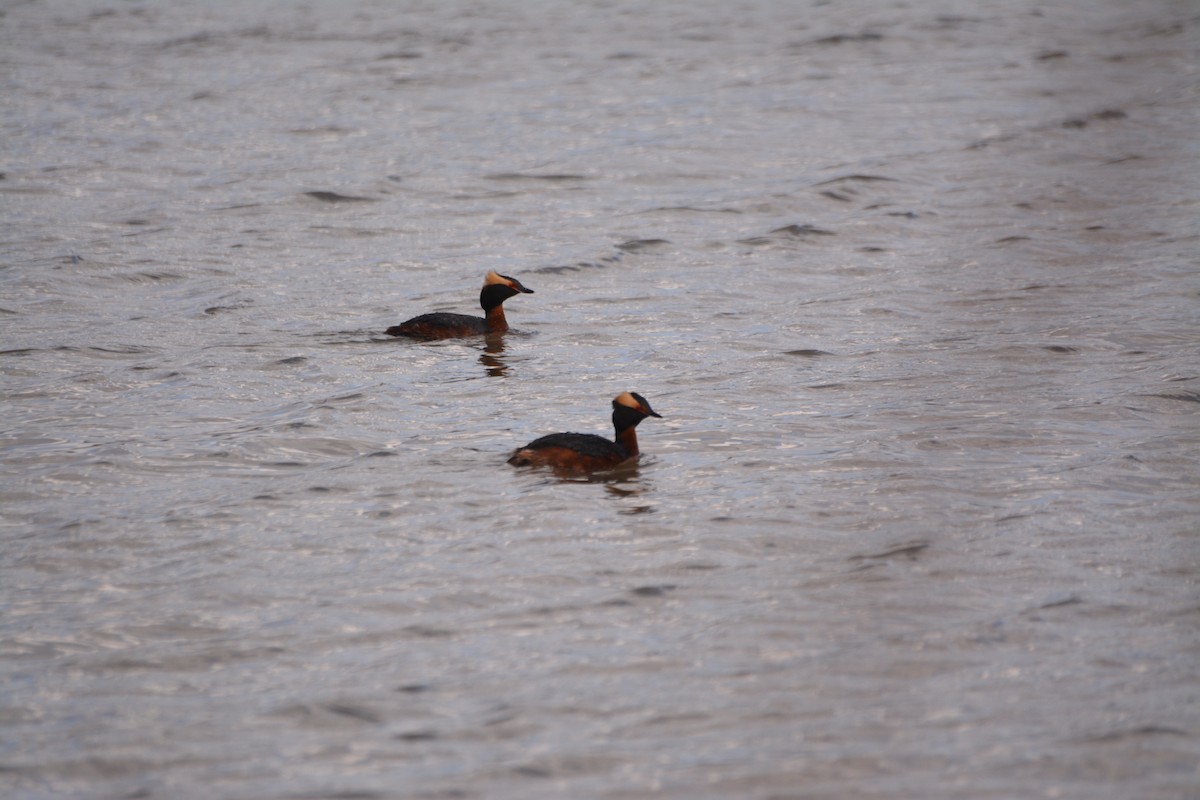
point(913, 287)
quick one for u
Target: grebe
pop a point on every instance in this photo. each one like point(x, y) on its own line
point(442, 325)
point(584, 452)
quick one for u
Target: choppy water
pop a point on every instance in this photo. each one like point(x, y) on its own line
point(914, 286)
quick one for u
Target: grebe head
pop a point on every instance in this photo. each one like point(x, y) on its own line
point(629, 409)
point(494, 278)
point(634, 401)
point(497, 288)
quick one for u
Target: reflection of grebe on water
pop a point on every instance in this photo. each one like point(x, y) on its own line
point(492, 356)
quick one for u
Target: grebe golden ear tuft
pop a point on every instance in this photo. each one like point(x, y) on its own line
point(626, 399)
point(636, 402)
point(494, 278)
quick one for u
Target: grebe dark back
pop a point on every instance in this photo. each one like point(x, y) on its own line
point(443, 325)
point(585, 452)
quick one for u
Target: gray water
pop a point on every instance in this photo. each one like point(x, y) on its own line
point(914, 286)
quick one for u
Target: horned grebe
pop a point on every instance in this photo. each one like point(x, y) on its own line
point(584, 452)
point(442, 325)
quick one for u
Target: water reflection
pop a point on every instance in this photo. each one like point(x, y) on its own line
point(623, 483)
point(626, 485)
point(623, 480)
point(492, 356)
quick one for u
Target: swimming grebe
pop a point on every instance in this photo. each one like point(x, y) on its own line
point(442, 325)
point(584, 452)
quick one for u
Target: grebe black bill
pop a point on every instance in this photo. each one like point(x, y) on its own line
point(587, 452)
point(443, 325)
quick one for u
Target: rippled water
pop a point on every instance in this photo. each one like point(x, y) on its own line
point(914, 287)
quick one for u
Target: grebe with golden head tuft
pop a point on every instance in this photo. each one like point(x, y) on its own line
point(443, 325)
point(587, 452)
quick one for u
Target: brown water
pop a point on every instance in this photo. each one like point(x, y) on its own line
point(915, 287)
